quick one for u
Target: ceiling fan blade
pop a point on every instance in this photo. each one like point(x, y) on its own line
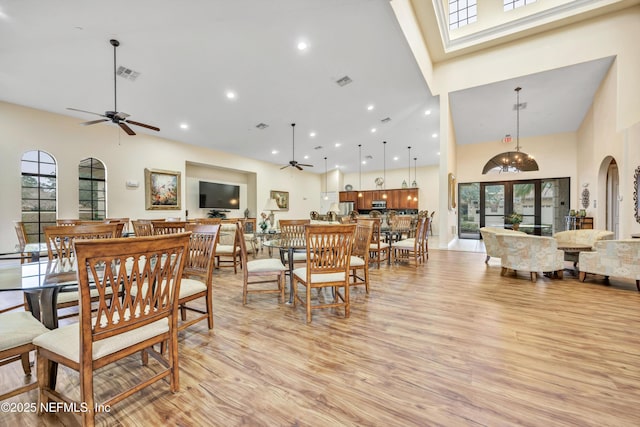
point(285, 166)
point(93, 122)
point(126, 128)
point(298, 166)
point(143, 125)
point(308, 166)
point(85, 111)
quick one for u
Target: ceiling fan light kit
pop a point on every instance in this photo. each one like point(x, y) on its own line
point(115, 116)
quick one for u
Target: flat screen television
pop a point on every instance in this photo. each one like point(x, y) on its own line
point(219, 196)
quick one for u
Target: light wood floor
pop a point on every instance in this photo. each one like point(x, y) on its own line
point(451, 343)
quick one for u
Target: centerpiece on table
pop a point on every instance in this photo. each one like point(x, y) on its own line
point(263, 224)
point(515, 219)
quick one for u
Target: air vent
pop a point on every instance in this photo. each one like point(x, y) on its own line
point(262, 126)
point(386, 120)
point(522, 105)
point(369, 157)
point(344, 81)
point(127, 73)
point(319, 147)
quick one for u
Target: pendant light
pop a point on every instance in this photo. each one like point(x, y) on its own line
point(359, 170)
point(513, 161)
point(414, 184)
point(384, 169)
point(404, 183)
point(326, 180)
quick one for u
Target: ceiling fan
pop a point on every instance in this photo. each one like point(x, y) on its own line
point(293, 162)
point(115, 116)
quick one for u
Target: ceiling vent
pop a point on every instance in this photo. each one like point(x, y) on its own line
point(127, 73)
point(262, 126)
point(319, 147)
point(344, 81)
point(522, 106)
point(386, 120)
point(369, 157)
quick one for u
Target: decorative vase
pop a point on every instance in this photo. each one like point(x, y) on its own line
point(246, 213)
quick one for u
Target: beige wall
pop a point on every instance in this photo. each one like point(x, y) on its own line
point(611, 126)
point(24, 129)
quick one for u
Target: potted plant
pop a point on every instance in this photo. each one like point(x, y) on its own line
point(515, 219)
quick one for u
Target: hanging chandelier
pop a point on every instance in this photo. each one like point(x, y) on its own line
point(384, 169)
point(512, 161)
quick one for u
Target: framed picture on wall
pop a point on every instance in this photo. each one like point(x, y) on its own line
point(282, 199)
point(162, 189)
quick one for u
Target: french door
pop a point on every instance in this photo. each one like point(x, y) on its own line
point(543, 204)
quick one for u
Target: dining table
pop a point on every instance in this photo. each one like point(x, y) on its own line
point(41, 281)
point(287, 246)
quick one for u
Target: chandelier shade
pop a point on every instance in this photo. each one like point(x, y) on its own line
point(512, 161)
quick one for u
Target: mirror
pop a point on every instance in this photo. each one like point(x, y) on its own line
point(636, 195)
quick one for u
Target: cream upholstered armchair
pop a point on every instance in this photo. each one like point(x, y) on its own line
point(490, 243)
point(618, 258)
point(580, 237)
point(530, 253)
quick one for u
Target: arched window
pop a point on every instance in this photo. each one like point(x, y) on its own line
point(92, 189)
point(38, 193)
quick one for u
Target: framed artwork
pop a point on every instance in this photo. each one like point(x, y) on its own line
point(636, 194)
point(282, 199)
point(452, 191)
point(162, 189)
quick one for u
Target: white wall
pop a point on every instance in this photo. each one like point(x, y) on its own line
point(24, 129)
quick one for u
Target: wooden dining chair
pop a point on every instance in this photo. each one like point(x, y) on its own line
point(379, 250)
point(197, 277)
point(228, 247)
point(21, 234)
point(124, 221)
point(17, 331)
point(266, 267)
point(125, 324)
point(360, 254)
point(411, 249)
point(328, 256)
point(142, 227)
point(294, 229)
point(60, 247)
point(168, 227)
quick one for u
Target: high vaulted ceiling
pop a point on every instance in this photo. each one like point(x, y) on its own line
point(56, 54)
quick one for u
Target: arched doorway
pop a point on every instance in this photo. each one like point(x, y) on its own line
point(612, 198)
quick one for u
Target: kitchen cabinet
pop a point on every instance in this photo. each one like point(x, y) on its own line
point(399, 199)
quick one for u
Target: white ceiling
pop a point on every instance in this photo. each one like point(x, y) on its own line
point(56, 54)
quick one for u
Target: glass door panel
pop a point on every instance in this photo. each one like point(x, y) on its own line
point(493, 208)
point(524, 203)
point(469, 210)
point(554, 205)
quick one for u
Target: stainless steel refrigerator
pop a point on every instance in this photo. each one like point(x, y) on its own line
point(346, 207)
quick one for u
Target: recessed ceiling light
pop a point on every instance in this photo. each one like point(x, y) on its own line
point(337, 166)
point(435, 135)
point(312, 134)
point(373, 130)
point(428, 112)
point(184, 126)
point(302, 46)
point(369, 107)
point(438, 153)
point(395, 158)
point(338, 144)
point(306, 157)
point(274, 151)
point(364, 162)
point(231, 95)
